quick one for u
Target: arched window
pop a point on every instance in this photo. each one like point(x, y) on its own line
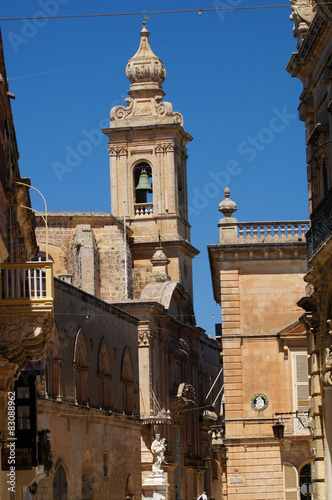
point(130, 487)
point(127, 381)
point(305, 482)
point(290, 482)
point(53, 362)
point(104, 374)
point(80, 364)
point(60, 484)
point(87, 480)
point(41, 257)
point(143, 195)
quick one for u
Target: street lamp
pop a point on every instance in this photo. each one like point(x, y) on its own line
point(207, 461)
point(33, 488)
point(33, 210)
point(278, 430)
point(278, 427)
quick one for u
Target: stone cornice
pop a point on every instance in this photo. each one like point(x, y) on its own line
point(67, 409)
point(75, 218)
point(94, 301)
point(298, 58)
point(170, 243)
point(177, 127)
point(147, 309)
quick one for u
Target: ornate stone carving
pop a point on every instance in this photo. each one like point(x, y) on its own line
point(303, 12)
point(181, 346)
point(158, 448)
point(227, 207)
point(21, 342)
point(117, 151)
point(146, 73)
point(145, 335)
point(185, 393)
point(159, 148)
point(121, 112)
point(327, 368)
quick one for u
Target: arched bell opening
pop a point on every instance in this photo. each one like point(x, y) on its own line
point(143, 191)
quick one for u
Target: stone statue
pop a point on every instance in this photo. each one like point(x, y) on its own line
point(327, 370)
point(303, 12)
point(158, 448)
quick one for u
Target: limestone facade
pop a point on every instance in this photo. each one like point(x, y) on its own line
point(26, 310)
point(257, 273)
point(312, 65)
point(139, 260)
point(90, 400)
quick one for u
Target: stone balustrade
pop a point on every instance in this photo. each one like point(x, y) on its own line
point(274, 231)
point(143, 209)
point(232, 231)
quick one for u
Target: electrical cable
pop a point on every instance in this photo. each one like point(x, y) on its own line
point(182, 11)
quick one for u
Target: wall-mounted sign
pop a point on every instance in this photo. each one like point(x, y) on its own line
point(236, 480)
point(259, 402)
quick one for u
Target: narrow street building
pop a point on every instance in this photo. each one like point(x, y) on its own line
point(312, 65)
point(257, 271)
point(26, 305)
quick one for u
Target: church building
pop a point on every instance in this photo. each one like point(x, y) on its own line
point(129, 360)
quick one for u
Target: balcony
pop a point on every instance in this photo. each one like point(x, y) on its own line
point(272, 232)
point(294, 427)
point(262, 232)
point(26, 308)
point(143, 209)
point(321, 225)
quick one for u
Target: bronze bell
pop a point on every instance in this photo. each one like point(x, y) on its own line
point(143, 183)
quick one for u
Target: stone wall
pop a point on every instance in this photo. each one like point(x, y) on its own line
point(110, 443)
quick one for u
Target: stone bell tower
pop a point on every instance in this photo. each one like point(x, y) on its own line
point(148, 169)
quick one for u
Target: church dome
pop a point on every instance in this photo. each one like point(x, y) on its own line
point(145, 66)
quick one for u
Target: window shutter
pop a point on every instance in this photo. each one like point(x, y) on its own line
point(290, 480)
point(302, 386)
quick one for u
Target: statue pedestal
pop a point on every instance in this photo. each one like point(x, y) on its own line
point(155, 487)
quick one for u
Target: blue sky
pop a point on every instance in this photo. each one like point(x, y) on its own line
point(225, 74)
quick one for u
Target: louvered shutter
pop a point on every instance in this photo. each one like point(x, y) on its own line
point(290, 481)
point(301, 382)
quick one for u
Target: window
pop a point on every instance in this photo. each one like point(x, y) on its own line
point(300, 378)
point(143, 189)
point(305, 482)
point(80, 368)
point(53, 361)
point(23, 418)
point(105, 464)
point(60, 484)
point(127, 381)
point(290, 482)
point(104, 374)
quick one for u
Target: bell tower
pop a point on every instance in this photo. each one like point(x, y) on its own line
point(148, 169)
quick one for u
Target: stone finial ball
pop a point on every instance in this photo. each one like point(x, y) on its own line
point(227, 207)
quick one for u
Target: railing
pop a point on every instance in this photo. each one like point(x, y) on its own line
point(293, 425)
point(26, 282)
point(321, 225)
point(143, 209)
point(272, 232)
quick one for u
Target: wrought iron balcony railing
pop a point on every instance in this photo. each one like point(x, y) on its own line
point(321, 225)
point(297, 425)
point(28, 282)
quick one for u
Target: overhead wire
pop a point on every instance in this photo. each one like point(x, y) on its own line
point(152, 12)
